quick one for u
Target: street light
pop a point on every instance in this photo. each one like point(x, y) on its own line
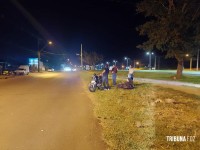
point(197, 60)
point(126, 58)
point(187, 55)
point(138, 63)
point(149, 53)
point(115, 61)
point(40, 50)
point(81, 55)
point(102, 65)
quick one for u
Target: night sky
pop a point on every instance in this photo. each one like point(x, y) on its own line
point(105, 26)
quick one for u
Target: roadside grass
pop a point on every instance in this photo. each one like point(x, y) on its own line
point(142, 118)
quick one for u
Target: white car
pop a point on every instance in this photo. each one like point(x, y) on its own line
point(67, 69)
point(50, 70)
point(20, 71)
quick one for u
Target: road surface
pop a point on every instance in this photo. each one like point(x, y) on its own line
point(47, 111)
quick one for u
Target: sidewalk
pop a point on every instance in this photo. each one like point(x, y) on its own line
point(176, 83)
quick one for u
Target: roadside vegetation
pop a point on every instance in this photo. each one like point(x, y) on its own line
point(142, 118)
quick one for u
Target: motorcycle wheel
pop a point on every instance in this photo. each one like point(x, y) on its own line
point(92, 88)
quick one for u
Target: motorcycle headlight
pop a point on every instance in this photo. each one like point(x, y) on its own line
point(92, 81)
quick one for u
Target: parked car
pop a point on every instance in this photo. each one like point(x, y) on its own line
point(8, 72)
point(22, 70)
point(50, 70)
point(67, 69)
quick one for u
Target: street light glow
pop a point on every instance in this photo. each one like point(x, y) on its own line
point(115, 61)
point(149, 53)
point(50, 43)
point(126, 58)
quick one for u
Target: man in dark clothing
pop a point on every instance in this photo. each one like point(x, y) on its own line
point(114, 74)
point(105, 77)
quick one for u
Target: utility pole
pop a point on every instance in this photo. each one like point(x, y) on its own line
point(38, 55)
point(81, 57)
point(191, 63)
point(198, 60)
point(150, 61)
point(158, 62)
point(40, 50)
point(155, 63)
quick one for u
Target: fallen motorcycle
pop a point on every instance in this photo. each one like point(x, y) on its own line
point(96, 83)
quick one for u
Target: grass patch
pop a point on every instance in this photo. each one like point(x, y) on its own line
point(143, 117)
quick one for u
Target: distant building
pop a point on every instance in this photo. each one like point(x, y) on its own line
point(33, 63)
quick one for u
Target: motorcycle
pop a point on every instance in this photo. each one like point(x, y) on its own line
point(96, 83)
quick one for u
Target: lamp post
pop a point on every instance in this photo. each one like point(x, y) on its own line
point(126, 58)
point(40, 50)
point(81, 55)
point(115, 61)
point(198, 60)
point(138, 64)
point(102, 65)
point(149, 53)
point(187, 55)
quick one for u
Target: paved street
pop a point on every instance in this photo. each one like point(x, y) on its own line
point(47, 111)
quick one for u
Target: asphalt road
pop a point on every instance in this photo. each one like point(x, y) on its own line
point(47, 111)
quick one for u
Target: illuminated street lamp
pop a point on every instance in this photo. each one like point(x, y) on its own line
point(81, 55)
point(50, 43)
point(40, 50)
point(122, 66)
point(102, 65)
point(149, 53)
point(187, 55)
point(126, 58)
point(115, 61)
point(197, 60)
point(137, 64)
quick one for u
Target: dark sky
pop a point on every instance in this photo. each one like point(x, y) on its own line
point(104, 26)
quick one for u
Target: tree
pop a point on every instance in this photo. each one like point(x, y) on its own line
point(91, 58)
point(173, 27)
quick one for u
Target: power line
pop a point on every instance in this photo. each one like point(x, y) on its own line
point(52, 53)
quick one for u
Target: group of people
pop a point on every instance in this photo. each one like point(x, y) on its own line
point(114, 70)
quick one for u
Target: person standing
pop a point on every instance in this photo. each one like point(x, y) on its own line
point(105, 77)
point(114, 74)
point(130, 73)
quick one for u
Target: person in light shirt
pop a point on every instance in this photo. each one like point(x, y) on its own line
point(130, 73)
point(114, 74)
